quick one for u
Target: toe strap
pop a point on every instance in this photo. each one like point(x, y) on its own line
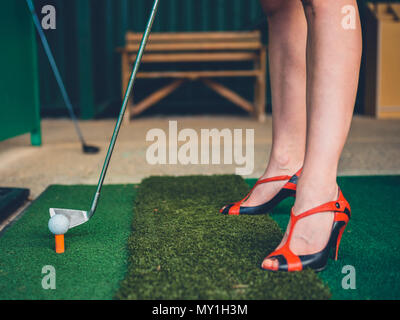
point(288, 261)
point(231, 209)
point(235, 209)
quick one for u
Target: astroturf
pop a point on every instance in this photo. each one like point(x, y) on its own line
point(95, 257)
point(169, 242)
point(182, 248)
point(371, 242)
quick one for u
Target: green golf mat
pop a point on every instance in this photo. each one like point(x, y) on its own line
point(95, 255)
point(180, 247)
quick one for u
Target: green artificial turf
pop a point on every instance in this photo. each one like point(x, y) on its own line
point(371, 242)
point(95, 258)
point(182, 248)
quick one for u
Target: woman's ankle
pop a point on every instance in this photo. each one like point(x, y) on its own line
point(311, 193)
point(283, 164)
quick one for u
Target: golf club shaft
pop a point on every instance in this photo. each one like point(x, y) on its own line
point(55, 69)
point(124, 104)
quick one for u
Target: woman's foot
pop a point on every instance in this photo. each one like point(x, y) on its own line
point(263, 198)
point(277, 166)
point(265, 192)
point(311, 234)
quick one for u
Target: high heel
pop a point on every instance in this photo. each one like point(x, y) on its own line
point(336, 247)
point(288, 190)
point(288, 261)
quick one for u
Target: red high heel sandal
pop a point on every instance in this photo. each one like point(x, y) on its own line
point(288, 190)
point(288, 261)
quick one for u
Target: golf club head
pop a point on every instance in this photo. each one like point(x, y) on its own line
point(75, 217)
point(90, 149)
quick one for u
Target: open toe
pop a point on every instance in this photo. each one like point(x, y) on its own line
point(284, 259)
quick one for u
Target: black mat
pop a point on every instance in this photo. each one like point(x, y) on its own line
point(10, 200)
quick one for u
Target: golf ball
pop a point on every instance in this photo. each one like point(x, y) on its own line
point(58, 224)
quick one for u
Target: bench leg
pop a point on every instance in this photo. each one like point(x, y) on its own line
point(156, 96)
point(261, 87)
point(125, 70)
point(128, 113)
point(260, 98)
point(229, 94)
point(256, 96)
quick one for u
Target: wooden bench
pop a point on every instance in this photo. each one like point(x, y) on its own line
point(193, 48)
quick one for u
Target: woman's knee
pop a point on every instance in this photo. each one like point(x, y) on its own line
point(271, 7)
point(317, 4)
point(325, 7)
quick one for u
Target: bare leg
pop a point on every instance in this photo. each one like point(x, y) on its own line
point(287, 59)
point(333, 61)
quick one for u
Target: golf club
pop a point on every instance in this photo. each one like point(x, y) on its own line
point(77, 217)
point(85, 148)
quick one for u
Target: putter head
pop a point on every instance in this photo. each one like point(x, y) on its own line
point(75, 217)
point(90, 149)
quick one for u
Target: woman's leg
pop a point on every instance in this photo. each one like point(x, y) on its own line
point(333, 61)
point(287, 63)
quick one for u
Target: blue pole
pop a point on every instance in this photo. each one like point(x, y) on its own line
point(55, 69)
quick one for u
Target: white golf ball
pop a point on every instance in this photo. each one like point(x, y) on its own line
point(58, 224)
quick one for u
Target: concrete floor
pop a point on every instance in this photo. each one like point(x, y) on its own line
point(373, 148)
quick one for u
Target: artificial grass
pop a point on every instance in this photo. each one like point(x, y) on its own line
point(182, 248)
point(95, 258)
point(371, 241)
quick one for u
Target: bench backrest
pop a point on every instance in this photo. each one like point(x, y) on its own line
point(196, 41)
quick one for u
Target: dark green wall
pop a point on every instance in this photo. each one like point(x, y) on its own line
point(88, 31)
point(19, 91)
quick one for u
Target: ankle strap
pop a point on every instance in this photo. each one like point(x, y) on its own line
point(339, 205)
point(277, 178)
point(280, 178)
